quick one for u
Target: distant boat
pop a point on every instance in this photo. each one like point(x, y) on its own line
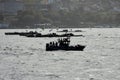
point(63, 44)
point(70, 30)
point(78, 31)
point(20, 33)
point(12, 33)
point(65, 30)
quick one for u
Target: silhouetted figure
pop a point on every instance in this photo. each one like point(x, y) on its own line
point(53, 43)
point(47, 45)
point(56, 44)
point(50, 43)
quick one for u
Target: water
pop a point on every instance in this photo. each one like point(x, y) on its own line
point(23, 58)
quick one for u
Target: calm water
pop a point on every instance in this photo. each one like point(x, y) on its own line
point(23, 58)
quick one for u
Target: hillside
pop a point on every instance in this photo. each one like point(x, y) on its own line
point(68, 13)
point(93, 5)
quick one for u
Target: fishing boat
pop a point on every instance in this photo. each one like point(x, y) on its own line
point(63, 44)
point(20, 33)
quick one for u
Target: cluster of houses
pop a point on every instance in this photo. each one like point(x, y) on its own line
point(10, 8)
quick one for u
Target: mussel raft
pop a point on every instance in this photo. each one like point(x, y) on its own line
point(63, 44)
point(36, 34)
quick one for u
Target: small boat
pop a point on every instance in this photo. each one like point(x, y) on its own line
point(78, 31)
point(12, 33)
point(65, 30)
point(20, 33)
point(63, 44)
point(70, 30)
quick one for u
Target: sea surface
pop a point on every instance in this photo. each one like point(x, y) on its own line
point(23, 58)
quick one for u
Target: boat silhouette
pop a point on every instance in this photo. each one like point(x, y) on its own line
point(21, 33)
point(63, 44)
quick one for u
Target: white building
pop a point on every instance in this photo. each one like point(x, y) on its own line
point(3, 25)
point(11, 7)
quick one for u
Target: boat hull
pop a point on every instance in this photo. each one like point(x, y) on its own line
point(70, 48)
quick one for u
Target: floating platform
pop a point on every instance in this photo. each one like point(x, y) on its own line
point(53, 35)
point(20, 33)
point(36, 34)
point(12, 33)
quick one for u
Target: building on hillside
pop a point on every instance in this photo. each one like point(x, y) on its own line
point(11, 7)
point(8, 11)
point(4, 25)
point(38, 5)
point(66, 5)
